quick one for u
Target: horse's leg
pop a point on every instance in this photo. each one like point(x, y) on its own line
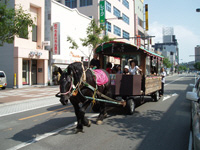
point(102, 114)
point(84, 120)
point(79, 127)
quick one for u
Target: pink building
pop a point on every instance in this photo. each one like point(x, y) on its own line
point(26, 56)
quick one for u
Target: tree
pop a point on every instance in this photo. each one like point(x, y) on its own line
point(197, 65)
point(13, 22)
point(182, 68)
point(93, 38)
point(167, 63)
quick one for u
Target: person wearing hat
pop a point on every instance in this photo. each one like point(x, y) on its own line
point(126, 70)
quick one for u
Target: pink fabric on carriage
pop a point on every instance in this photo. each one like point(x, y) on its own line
point(101, 77)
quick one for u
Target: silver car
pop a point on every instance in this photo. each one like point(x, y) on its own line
point(3, 81)
point(194, 96)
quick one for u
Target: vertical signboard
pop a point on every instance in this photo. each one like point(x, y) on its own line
point(146, 17)
point(56, 38)
point(102, 12)
point(138, 41)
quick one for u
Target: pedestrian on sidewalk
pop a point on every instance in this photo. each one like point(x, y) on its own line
point(163, 75)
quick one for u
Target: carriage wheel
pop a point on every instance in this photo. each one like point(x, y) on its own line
point(156, 96)
point(130, 106)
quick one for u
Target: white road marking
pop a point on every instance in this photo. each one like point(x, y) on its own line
point(169, 96)
point(173, 81)
point(166, 97)
point(190, 141)
point(174, 94)
point(24, 144)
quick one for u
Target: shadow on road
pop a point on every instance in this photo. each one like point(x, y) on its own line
point(159, 129)
point(27, 135)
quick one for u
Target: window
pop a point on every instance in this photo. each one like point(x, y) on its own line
point(116, 12)
point(117, 30)
point(125, 35)
point(34, 33)
point(125, 18)
point(71, 3)
point(108, 26)
point(85, 3)
point(125, 3)
point(140, 22)
point(24, 32)
point(108, 6)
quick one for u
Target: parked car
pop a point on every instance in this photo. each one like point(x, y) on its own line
point(3, 81)
point(194, 96)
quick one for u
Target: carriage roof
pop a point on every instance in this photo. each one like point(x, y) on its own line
point(116, 48)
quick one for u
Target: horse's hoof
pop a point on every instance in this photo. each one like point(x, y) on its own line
point(99, 122)
point(89, 123)
point(78, 130)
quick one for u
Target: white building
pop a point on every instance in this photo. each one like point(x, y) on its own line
point(70, 23)
point(119, 16)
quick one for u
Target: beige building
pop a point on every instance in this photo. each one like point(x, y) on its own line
point(26, 57)
point(119, 16)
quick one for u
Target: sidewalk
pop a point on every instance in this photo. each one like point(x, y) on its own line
point(19, 100)
point(16, 95)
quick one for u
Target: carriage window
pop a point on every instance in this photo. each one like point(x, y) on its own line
point(148, 65)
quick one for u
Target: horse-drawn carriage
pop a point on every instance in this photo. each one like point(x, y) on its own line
point(147, 83)
point(81, 86)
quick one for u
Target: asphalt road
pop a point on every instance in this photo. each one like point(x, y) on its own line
point(162, 125)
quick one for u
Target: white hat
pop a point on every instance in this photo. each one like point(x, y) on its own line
point(127, 67)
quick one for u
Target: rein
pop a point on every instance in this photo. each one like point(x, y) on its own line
point(69, 91)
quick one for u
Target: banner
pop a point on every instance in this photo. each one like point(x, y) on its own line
point(102, 12)
point(146, 17)
point(56, 38)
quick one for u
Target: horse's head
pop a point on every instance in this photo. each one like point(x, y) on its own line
point(66, 83)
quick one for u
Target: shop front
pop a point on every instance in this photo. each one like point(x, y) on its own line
point(31, 67)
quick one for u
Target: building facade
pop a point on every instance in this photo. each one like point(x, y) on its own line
point(197, 53)
point(26, 57)
point(169, 47)
point(63, 22)
point(139, 21)
point(119, 16)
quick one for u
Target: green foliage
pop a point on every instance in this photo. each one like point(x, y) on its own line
point(197, 66)
point(74, 44)
point(13, 22)
point(182, 68)
point(167, 63)
point(93, 35)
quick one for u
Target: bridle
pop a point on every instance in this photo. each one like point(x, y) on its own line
point(69, 91)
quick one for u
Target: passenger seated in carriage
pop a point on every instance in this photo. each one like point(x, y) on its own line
point(126, 70)
point(134, 69)
point(108, 68)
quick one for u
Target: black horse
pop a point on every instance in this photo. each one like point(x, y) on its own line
point(71, 82)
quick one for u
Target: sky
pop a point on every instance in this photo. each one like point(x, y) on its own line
point(182, 16)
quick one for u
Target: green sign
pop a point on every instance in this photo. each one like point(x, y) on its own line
point(102, 12)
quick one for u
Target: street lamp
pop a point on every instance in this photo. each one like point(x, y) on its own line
point(198, 10)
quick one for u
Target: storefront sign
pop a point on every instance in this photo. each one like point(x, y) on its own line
point(56, 38)
point(102, 12)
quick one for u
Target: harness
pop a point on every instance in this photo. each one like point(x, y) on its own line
point(82, 83)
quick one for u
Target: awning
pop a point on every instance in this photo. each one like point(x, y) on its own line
point(62, 66)
point(126, 46)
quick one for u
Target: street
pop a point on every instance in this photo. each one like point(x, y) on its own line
point(46, 124)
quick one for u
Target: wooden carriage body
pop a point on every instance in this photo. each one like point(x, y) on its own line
point(132, 85)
